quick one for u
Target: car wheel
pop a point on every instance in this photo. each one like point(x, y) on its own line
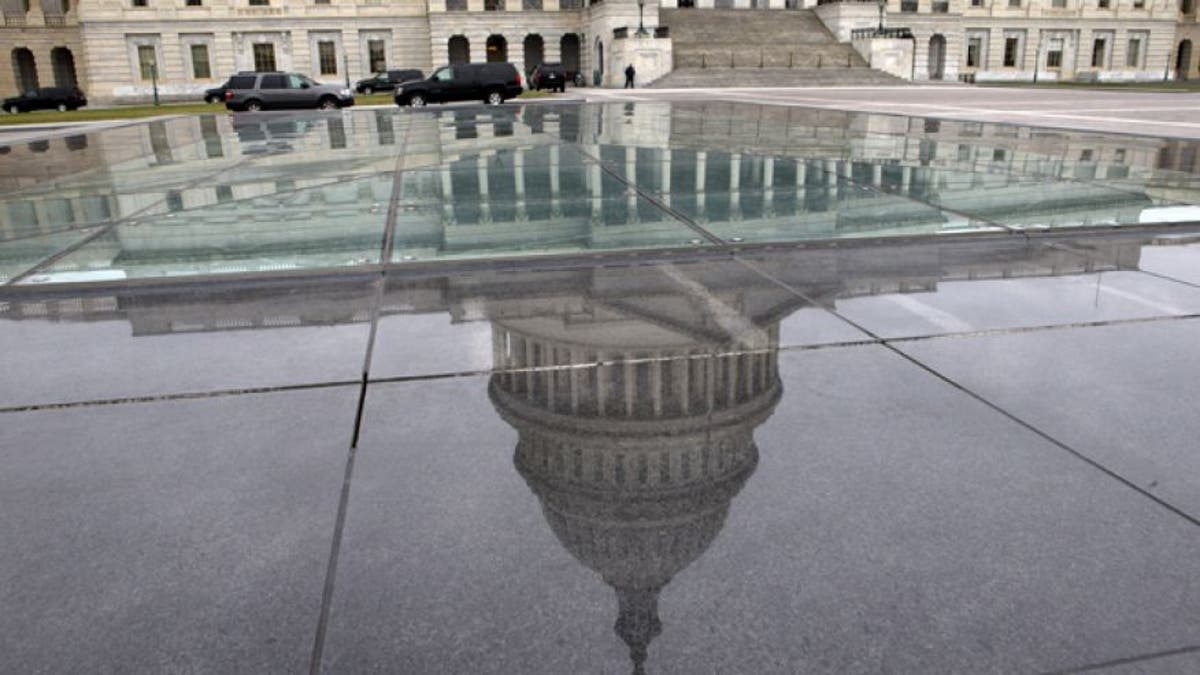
point(210, 99)
point(62, 107)
point(416, 101)
point(253, 105)
point(368, 91)
point(494, 98)
point(327, 104)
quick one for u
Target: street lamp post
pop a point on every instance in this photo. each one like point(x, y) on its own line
point(641, 31)
point(882, 4)
point(154, 80)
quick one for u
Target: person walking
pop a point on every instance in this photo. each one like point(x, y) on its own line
point(629, 73)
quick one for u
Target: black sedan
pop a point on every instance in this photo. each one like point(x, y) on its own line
point(46, 98)
point(550, 76)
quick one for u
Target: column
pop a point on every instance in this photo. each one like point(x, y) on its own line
point(447, 196)
point(664, 177)
point(631, 176)
point(768, 187)
point(701, 169)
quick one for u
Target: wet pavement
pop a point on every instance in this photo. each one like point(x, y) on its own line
point(927, 413)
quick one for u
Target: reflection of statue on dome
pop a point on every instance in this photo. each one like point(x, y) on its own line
point(637, 460)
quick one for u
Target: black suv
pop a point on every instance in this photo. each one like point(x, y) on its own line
point(550, 76)
point(265, 91)
point(46, 98)
point(491, 83)
point(387, 81)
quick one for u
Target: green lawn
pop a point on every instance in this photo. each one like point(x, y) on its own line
point(136, 111)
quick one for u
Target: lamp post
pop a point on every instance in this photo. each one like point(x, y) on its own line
point(641, 31)
point(154, 80)
point(882, 4)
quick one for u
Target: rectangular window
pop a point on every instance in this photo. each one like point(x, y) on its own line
point(147, 62)
point(908, 6)
point(224, 193)
point(1099, 47)
point(974, 50)
point(1054, 54)
point(1139, 4)
point(136, 3)
point(456, 5)
point(940, 7)
point(977, 3)
point(1133, 55)
point(1012, 46)
point(1102, 4)
point(321, 2)
point(531, 5)
point(194, 3)
point(1058, 4)
point(376, 56)
point(264, 56)
point(493, 5)
point(200, 68)
point(1014, 3)
point(327, 57)
point(260, 3)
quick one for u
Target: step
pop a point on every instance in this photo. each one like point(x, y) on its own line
point(684, 78)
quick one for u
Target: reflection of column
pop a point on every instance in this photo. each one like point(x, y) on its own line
point(735, 184)
point(768, 187)
point(701, 171)
point(801, 182)
point(597, 191)
point(447, 195)
point(664, 177)
point(485, 204)
point(877, 175)
point(831, 178)
point(519, 183)
point(631, 176)
point(555, 168)
point(905, 179)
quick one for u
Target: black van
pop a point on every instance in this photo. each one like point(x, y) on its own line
point(492, 83)
point(387, 81)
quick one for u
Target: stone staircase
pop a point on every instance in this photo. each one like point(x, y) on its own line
point(760, 48)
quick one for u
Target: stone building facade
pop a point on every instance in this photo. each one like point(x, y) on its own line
point(121, 50)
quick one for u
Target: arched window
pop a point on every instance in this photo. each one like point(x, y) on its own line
point(497, 49)
point(63, 63)
point(535, 50)
point(24, 69)
point(459, 48)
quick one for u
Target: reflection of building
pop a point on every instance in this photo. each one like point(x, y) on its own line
point(208, 193)
point(638, 444)
point(636, 461)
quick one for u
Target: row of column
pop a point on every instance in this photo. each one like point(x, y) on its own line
point(630, 384)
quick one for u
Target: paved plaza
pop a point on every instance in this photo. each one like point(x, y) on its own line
point(777, 381)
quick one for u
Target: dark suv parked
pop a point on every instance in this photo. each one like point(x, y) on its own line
point(550, 76)
point(274, 91)
point(217, 94)
point(491, 83)
point(387, 81)
point(46, 98)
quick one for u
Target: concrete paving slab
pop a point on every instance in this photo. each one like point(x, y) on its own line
point(177, 536)
point(131, 344)
point(1122, 395)
point(874, 519)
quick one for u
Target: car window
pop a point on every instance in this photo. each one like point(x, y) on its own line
point(444, 75)
point(295, 81)
point(244, 82)
point(274, 82)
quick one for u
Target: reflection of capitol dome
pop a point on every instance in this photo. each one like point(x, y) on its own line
point(636, 463)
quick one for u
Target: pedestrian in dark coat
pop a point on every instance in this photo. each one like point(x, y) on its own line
point(629, 73)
